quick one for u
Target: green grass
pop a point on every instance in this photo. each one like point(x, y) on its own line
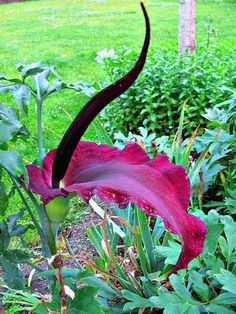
point(69, 33)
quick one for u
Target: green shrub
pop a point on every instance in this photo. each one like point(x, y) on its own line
point(167, 81)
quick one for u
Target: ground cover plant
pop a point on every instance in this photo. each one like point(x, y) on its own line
point(142, 262)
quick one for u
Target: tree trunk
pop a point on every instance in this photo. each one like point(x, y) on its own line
point(187, 39)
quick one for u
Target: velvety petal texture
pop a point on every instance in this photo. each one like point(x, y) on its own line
point(157, 186)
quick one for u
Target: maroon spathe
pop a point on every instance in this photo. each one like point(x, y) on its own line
point(156, 186)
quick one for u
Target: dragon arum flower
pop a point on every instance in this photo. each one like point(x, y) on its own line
point(156, 186)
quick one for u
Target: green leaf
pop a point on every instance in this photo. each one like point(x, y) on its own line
point(173, 304)
point(226, 298)
point(3, 199)
point(199, 286)
point(10, 126)
point(213, 263)
point(22, 94)
point(6, 88)
point(147, 238)
point(16, 256)
point(180, 288)
point(85, 302)
point(230, 232)
point(224, 247)
point(81, 86)
point(12, 162)
point(4, 236)
point(228, 280)
point(171, 252)
point(30, 69)
point(41, 82)
point(214, 230)
point(102, 134)
point(218, 309)
point(136, 301)
point(12, 275)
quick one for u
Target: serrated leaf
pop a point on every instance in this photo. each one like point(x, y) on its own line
point(171, 252)
point(173, 304)
point(213, 263)
point(228, 280)
point(199, 286)
point(136, 301)
point(85, 302)
point(180, 288)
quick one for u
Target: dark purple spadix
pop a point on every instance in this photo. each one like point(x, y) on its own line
point(83, 119)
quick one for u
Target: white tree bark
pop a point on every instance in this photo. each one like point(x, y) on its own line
point(187, 40)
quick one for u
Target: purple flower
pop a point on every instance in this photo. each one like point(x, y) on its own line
point(157, 186)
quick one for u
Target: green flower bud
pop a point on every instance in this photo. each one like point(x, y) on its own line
point(58, 208)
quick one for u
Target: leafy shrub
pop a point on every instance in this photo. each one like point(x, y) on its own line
point(167, 81)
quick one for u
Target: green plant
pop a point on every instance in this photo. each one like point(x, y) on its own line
point(155, 101)
point(135, 255)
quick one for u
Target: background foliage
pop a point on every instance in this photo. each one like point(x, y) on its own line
point(155, 100)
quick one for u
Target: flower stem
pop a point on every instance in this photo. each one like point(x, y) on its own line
point(59, 263)
point(40, 131)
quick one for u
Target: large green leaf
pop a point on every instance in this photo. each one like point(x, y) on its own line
point(10, 126)
point(85, 302)
point(12, 275)
point(12, 163)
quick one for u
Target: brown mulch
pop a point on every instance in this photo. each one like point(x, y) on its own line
point(79, 242)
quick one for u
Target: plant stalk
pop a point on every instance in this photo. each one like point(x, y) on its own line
point(59, 263)
point(40, 131)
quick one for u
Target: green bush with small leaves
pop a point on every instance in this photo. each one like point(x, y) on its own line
point(167, 81)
